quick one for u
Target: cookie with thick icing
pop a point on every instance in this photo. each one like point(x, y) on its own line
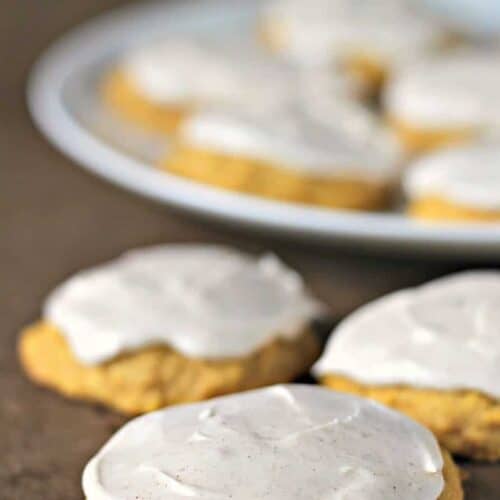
point(173, 324)
point(282, 442)
point(445, 100)
point(455, 185)
point(432, 352)
point(318, 151)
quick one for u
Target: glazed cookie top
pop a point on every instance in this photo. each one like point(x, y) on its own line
point(441, 335)
point(460, 89)
point(204, 301)
point(469, 176)
point(281, 443)
point(316, 32)
point(327, 137)
point(197, 72)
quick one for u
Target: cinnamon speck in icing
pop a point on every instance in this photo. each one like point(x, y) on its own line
point(469, 176)
point(441, 335)
point(288, 442)
point(204, 301)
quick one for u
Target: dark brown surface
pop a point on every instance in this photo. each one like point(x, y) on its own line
point(57, 219)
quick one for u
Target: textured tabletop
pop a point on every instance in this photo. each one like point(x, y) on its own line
point(57, 219)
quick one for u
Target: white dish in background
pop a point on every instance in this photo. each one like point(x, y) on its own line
point(64, 103)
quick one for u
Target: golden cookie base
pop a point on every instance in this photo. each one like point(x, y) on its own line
point(120, 95)
point(275, 181)
point(157, 376)
point(465, 422)
point(439, 210)
point(418, 140)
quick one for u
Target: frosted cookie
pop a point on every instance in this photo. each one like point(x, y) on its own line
point(283, 442)
point(156, 86)
point(172, 324)
point(324, 152)
point(460, 184)
point(367, 38)
point(445, 100)
point(432, 352)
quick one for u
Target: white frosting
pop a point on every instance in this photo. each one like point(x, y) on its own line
point(315, 32)
point(461, 89)
point(442, 335)
point(288, 442)
point(197, 72)
point(252, 105)
point(204, 301)
point(469, 176)
point(326, 137)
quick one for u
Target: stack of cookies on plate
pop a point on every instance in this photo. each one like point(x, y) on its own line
point(332, 103)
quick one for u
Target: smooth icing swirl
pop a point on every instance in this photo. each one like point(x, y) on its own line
point(441, 335)
point(281, 443)
point(205, 301)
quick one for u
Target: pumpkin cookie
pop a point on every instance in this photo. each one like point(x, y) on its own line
point(432, 352)
point(157, 86)
point(445, 100)
point(366, 39)
point(456, 185)
point(172, 324)
point(282, 442)
point(330, 153)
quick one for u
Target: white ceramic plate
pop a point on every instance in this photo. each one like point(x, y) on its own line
point(63, 100)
